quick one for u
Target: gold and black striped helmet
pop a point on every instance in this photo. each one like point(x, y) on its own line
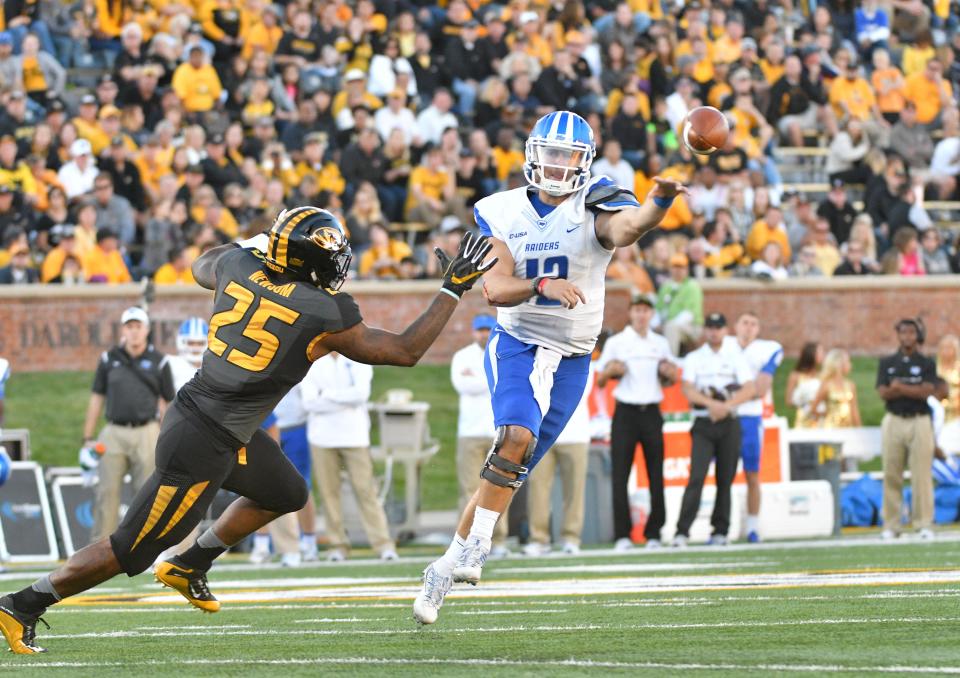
point(309, 243)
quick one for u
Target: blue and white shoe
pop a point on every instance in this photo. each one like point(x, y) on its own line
point(753, 537)
point(470, 563)
point(427, 604)
point(718, 540)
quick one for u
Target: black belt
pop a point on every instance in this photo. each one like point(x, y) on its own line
point(132, 424)
point(642, 408)
point(911, 415)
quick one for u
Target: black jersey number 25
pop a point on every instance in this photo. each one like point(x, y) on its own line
point(254, 329)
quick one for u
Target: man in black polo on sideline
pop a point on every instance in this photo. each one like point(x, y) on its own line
point(135, 382)
point(642, 361)
point(905, 380)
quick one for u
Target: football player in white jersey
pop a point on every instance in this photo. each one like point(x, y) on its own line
point(191, 343)
point(554, 239)
point(764, 357)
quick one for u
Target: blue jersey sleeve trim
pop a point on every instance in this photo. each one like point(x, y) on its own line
point(771, 365)
point(482, 223)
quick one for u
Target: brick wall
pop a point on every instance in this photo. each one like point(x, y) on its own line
point(45, 328)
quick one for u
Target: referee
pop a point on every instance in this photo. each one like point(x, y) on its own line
point(716, 379)
point(641, 360)
point(135, 382)
point(905, 380)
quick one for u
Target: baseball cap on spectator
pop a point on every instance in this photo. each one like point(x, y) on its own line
point(216, 139)
point(134, 313)
point(315, 138)
point(471, 23)
point(740, 74)
point(17, 94)
point(59, 232)
point(54, 105)
point(748, 43)
point(109, 111)
point(484, 321)
point(117, 140)
point(466, 153)
point(353, 75)
point(679, 259)
point(527, 17)
point(264, 121)
point(195, 168)
point(715, 320)
point(106, 79)
point(80, 147)
point(6, 38)
point(837, 183)
point(88, 99)
point(647, 299)
point(195, 28)
point(105, 234)
point(451, 223)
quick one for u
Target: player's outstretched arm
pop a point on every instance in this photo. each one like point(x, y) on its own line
point(502, 288)
point(625, 227)
point(205, 267)
point(380, 347)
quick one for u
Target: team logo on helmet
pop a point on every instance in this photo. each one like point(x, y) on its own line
point(309, 243)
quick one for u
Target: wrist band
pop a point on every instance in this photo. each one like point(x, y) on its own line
point(540, 283)
point(662, 203)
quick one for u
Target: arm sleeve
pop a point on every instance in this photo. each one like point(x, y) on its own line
point(100, 376)
point(349, 311)
point(167, 390)
point(482, 224)
point(772, 363)
point(882, 378)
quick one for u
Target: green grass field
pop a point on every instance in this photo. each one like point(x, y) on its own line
point(856, 607)
point(52, 406)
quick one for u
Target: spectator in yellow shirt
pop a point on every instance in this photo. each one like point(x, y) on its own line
point(888, 84)
point(197, 83)
point(766, 230)
point(382, 259)
point(176, 271)
point(327, 175)
point(851, 95)
point(431, 189)
point(726, 49)
point(917, 53)
point(104, 263)
point(14, 173)
point(264, 34)
point(930, 92)
point(88, 127)
point(537, 45)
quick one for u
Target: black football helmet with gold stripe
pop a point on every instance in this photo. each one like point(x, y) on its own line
point(309, 243)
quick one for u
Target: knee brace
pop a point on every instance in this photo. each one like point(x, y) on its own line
point(495, 460)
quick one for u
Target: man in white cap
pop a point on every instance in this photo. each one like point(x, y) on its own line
point(134, 380)
point(77, 175)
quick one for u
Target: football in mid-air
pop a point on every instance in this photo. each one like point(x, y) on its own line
point(705, 130)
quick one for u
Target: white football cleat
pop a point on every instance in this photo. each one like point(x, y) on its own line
point(571, 549)
point(622, 545)
point(888, 535)
point(389, 554)
point(427, 604)
point(680, 541)
point(336, 556)
point(499, 551)
point(926, 534)
point(259, 556)
point(290, 559)
point(536, 549)
point(469, 566)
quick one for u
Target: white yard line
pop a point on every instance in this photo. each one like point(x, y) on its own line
point(629, 567)
point(566, 663)
point(216, 632)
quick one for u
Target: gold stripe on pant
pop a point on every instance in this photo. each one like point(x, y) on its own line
point(471, 453)
point(327, 462)
point(128, 450)
point(572, 459)
point(907, 439)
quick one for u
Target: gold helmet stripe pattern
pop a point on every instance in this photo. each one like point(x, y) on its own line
point(281, 239)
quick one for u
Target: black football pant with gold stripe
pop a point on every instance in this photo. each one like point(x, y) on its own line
point(192, 465)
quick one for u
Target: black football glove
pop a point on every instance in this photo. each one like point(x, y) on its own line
point(461, 272)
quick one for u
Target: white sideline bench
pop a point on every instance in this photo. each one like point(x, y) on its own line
point(862, 443)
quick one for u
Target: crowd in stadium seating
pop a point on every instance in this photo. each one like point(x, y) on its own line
point(137, 133)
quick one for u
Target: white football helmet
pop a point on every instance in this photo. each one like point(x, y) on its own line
point(562, 142)
point(192, 340)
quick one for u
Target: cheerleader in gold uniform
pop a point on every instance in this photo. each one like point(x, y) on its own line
point(803, 384)
point(837, 393)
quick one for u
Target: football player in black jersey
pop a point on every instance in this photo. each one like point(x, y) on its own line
point(277, 308)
